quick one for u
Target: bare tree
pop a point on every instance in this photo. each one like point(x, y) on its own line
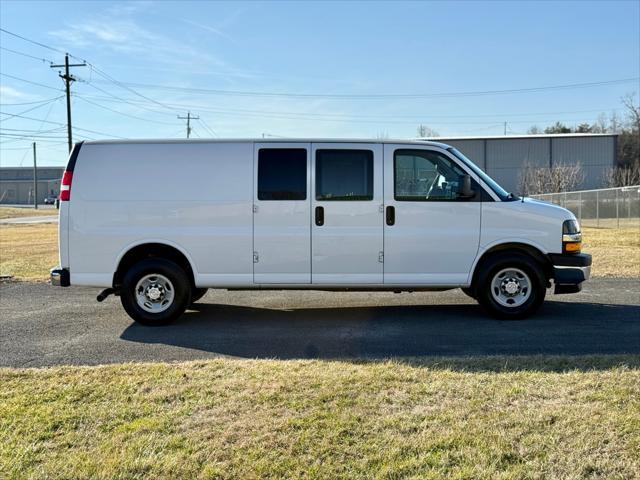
point(614, 122)
point(629, 137)
point(559, 178)
point(632, 109)
point(534, 130)
point(623, 176)
point(426, 132)
point(382, 135)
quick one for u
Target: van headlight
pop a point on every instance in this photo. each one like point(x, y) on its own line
point(571, 237)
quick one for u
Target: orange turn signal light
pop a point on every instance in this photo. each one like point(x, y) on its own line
point(572, 247)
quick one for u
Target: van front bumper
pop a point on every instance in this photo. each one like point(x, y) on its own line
point(569, 271)
point(60, 277)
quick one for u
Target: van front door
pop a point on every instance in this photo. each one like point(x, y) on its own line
point(431, 232)
point(281, 213)
point(347, 215)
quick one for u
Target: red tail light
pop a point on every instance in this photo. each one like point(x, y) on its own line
point(65, 186)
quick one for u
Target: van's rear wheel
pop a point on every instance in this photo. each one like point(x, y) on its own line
point(511, 286)
point(155, 291)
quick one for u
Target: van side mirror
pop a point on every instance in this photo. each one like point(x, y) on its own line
point(464, 188)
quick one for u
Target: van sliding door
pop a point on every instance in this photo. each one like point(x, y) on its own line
point(281, 211)
point(347, 217)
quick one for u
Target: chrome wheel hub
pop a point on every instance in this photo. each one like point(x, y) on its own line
point(154, 293)
point(511, 287)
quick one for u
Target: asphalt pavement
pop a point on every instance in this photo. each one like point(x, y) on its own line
point(42, 325)
point(29, 220)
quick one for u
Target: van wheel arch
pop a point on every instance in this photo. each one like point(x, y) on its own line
point(540, 258)
point(152, 250)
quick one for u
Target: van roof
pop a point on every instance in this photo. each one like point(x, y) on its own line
point(271, 140)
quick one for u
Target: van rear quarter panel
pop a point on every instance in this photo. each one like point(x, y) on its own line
point(196, 197)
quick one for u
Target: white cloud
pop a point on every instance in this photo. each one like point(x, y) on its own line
point(121, 33)
point(10, 93)
point(209, 29)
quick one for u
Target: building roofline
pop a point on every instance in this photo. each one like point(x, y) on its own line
point(509, 137)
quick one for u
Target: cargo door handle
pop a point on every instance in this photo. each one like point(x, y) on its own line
point(319, 216)
point(391, 215)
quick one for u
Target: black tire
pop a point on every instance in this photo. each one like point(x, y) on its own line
point(469, 292)
point(156, 266)
point(510, 260)
point(198, 293)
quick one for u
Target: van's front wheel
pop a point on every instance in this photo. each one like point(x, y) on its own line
point(511, 286)
point(155, 291)
point(198, 293)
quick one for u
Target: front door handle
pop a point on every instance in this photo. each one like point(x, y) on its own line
point(391, 215)
point(319, 216)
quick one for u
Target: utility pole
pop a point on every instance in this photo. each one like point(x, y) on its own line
point(505, 128)
point(35, 178)
point(68, 79)
point(188, 118)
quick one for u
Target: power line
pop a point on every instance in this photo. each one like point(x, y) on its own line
point(16, 135)
point(30, 103)
point(11, 115)
point(383, 95)
point(26, 55)
point(122, 113)
point(31, 41)
point(124, 86)
point(207, 128)
point(25, 131)
point(29, 81)
point(62, 124)
point(40, 141)
point(382, 117)
point(68, 78)
point(135, 103)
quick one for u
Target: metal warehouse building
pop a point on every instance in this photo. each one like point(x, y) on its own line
point(504, 157)
point(16, 184)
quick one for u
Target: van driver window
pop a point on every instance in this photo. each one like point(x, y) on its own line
point(344, 175)
point(425, 175)
point(282, 174)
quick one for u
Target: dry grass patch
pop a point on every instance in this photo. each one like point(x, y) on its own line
point(491, 418)
point(14, 212)
point(616, 252)
point(28, 251)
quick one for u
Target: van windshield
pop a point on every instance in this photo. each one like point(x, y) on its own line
point(493, 185)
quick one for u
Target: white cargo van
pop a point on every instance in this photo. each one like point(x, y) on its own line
point(159, 222)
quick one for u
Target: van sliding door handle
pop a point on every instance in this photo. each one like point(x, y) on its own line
point(319, 216)
point(391, 215)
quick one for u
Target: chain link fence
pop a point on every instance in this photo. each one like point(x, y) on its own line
point(604, 208)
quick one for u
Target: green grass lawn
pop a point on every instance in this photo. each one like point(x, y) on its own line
point(491, 418)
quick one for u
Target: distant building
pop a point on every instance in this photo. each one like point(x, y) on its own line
point(503, 157)
point(16, 184)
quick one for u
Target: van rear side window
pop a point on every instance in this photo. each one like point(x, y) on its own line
point(282, 174)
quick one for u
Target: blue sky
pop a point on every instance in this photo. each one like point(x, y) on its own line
point(316, 49)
